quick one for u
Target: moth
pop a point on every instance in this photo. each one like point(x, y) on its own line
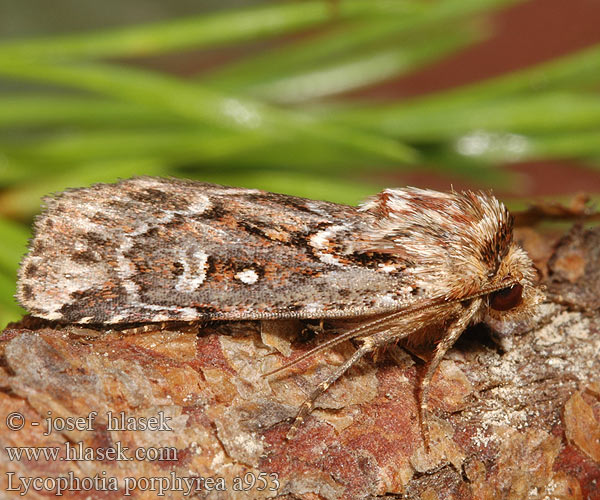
point(407, 264)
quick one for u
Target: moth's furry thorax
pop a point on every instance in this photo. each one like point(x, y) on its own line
point(456, 244)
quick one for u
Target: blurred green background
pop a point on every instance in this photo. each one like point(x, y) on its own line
point(325, 99)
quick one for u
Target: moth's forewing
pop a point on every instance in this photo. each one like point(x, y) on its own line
point(150, 250)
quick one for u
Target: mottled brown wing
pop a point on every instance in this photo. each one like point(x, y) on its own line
point(150, 249)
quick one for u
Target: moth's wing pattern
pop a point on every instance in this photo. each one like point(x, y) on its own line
point(150, 249)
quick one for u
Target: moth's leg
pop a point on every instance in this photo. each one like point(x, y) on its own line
point(369, 344)
point(318, 329)
point(446, 343)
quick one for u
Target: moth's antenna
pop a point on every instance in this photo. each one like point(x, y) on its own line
point(355, 332)
point(329, 343)
point(378, 324)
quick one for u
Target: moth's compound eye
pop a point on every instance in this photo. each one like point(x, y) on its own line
point(507, 298)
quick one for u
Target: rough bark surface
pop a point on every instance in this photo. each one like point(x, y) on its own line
point(514, 420)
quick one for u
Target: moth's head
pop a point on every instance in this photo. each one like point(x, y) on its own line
point(456, 245)
point(515, 294)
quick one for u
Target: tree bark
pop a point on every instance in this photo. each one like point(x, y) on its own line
point(516, 420)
